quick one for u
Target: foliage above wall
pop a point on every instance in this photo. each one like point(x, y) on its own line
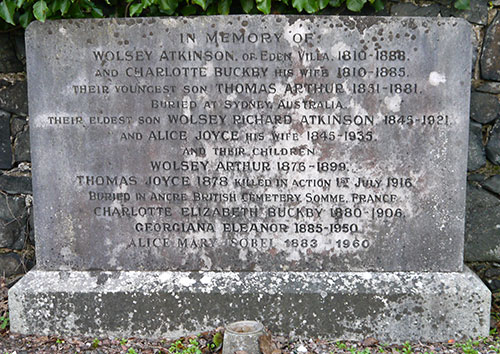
point(22, 12)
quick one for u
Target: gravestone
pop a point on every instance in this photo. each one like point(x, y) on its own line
point(307, 172)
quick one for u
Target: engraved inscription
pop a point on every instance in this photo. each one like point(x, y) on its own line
point(298, 144)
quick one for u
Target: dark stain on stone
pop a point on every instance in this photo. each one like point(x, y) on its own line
point(102, 278)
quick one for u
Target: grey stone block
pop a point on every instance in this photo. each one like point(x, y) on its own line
point(478, 13)
point(476, 177)
point(12, 234)
point(5, 145)
point(477, 156)
point(13, 98)
point(9, 62)
point(10, 264)
point(392, 307)
point(20, 47)
point(17, 125)
point(13, 218)
point(22, 147)
point(408, 9)
point(492, 184)
point(493, 145)
point(12, 207)
point(482, 226)
point(490, 65)
point(489, 87)
point(484, 107)
point(15, 184)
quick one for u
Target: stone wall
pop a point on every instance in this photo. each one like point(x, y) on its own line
point(483, 193)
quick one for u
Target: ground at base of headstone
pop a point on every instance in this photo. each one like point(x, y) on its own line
point(212, 341)
point(200, 344)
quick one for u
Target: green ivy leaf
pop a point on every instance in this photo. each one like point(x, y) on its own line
point(218, 339)
point(378, 5)
point(146, 3)
point(212, 10)
point(97, 12)
point(336, 3)
point(7, 8)
point(323, 3)
point(202, 3)
point(65, 5)
point(25, 19)
point(19, 3)
point(55, 6)
point(40, 10)
point(309, 5)
point(188, 10)
point(135, 9)
point(75, 11)
point(247, 5)
point(264, 6)
point(169, 6)
point(224, 6)
point(355, 5)
point(462, 4)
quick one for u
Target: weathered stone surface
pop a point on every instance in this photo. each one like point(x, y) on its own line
point(12, 234)
point(8, 234)
point(492, 272)
point(475, 41)
point(476, 177)
point(484, 107)
point(293, 208)
point(22, 146)
point(31, 228)
point(492, 184)
point(477, 156)
point(493, 146)
point(13, 218)
point(9, 62)
point(13, 97)
point(482, 225)
point(490, 65)
point(5, 146)
point(15, 184)
point(489, 87)
point(20, 47)
point(477, 14)
point(11, 207)
point(10, 264)
point(393, 307)
point(17, 125)
point(408, 9)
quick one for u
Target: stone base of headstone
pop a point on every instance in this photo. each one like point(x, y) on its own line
point(392, 307)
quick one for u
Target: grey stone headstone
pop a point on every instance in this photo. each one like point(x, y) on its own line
point(292, 113)
point(280, 143)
